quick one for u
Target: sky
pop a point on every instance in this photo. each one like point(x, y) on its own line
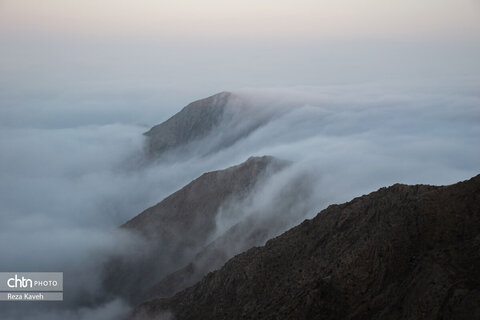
point(158, 55)
point(285, 19)
point(377, 92)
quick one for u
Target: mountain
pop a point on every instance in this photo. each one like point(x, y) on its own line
point(191, 210)
point(402, 252)
point(208, 125)
point(241, 226)
point(242, 236)
point(194, 121)
point(176, 229)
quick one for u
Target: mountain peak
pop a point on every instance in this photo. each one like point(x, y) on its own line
point(205, 194)
point(193, 122)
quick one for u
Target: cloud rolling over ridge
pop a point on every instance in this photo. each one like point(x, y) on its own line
point(66, 190)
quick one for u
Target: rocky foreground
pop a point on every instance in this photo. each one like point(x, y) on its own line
point(402, 252)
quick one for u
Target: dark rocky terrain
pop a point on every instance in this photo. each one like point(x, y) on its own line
point(402, 252)
point(182, 229)
point(242, 236)
point(251, 227)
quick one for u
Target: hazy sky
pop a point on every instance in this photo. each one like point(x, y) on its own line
point(163, 54)
point(104, 60)
point(285, 19)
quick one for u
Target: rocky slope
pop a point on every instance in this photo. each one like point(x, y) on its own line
point(253, 225)
point(403, 252)
point(176, 229)
point(191, 210)
point(193, 122)
point(208, 125)
point(242, 236)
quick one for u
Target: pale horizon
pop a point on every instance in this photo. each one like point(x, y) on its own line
point(286, 19)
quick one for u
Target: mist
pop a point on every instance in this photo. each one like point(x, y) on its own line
point(67, 184)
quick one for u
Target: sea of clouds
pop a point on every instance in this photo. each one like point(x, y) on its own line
point(64, 189)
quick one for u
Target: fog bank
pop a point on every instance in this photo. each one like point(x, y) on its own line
point(65, 190)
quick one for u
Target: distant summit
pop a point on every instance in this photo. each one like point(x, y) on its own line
point(193, 122)
point(209, 125)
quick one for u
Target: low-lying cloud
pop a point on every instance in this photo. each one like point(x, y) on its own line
point(64, 191)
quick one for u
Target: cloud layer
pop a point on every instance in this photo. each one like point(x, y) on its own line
point(64, 191)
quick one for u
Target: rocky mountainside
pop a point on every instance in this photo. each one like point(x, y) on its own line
point(208, 125)
point(402, 252)
point(191, 210)
point(242, 236)
point(175, 230)
point(193, 122)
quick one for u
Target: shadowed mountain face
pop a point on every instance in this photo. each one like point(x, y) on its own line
point(403, 252)
point(242, 236)
point(175, 230)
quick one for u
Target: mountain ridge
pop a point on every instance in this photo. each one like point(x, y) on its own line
point(174, 230)
point(208, 125)
point(407, 252)
point(193, 122)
